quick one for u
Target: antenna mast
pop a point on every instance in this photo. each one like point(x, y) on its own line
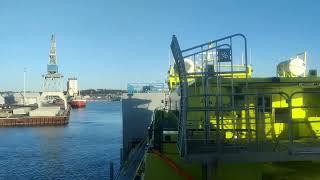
point(24, 85)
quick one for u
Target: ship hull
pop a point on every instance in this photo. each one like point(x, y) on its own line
point(78, 103)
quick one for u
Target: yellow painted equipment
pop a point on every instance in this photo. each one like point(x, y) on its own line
point(229, 124)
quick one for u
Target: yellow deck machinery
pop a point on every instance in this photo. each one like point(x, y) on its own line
point(219, 113)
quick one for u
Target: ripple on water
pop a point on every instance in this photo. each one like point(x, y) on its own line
point(80, 150)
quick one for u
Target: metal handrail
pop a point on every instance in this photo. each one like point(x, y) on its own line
point(177, 53)
point(211, 42)
point(215, 47)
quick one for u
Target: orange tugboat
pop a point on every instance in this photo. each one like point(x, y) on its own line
point(78, 102)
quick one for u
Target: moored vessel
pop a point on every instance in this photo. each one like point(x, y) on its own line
point(78, 102)
point(221, 122)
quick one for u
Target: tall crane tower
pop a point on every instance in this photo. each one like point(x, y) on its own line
point(53, 80)
point(52, 66)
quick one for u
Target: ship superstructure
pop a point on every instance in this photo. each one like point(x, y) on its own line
point(224, 123)
point(76, 100)
point(72, 87)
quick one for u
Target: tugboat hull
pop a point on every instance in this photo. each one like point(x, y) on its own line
point(78, 103)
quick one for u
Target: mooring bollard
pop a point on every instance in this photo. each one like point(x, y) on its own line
point(111, 171)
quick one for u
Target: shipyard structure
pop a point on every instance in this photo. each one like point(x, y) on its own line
point(48, 107)
point(219, 121)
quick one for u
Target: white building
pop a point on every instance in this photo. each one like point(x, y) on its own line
point(2, 100)
point(72, 86)
point(31, 98)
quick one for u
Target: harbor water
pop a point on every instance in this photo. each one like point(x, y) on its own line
point(82, 149)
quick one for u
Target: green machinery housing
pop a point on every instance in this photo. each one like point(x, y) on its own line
point(221, 118)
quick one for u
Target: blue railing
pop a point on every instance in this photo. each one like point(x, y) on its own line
point(145, 87)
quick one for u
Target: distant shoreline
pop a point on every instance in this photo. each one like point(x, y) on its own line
point(104, 100)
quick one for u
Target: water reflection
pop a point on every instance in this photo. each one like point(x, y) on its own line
point(81, 149)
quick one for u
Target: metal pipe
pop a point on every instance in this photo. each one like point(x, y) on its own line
point(24, 85)
point(221, 39)
point(206, 50)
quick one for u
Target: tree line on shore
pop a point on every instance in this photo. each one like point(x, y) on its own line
point(102, 92)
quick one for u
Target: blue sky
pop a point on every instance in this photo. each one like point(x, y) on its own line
point(107, 43)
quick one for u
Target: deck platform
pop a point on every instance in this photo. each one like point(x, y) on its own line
point(36, 121)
